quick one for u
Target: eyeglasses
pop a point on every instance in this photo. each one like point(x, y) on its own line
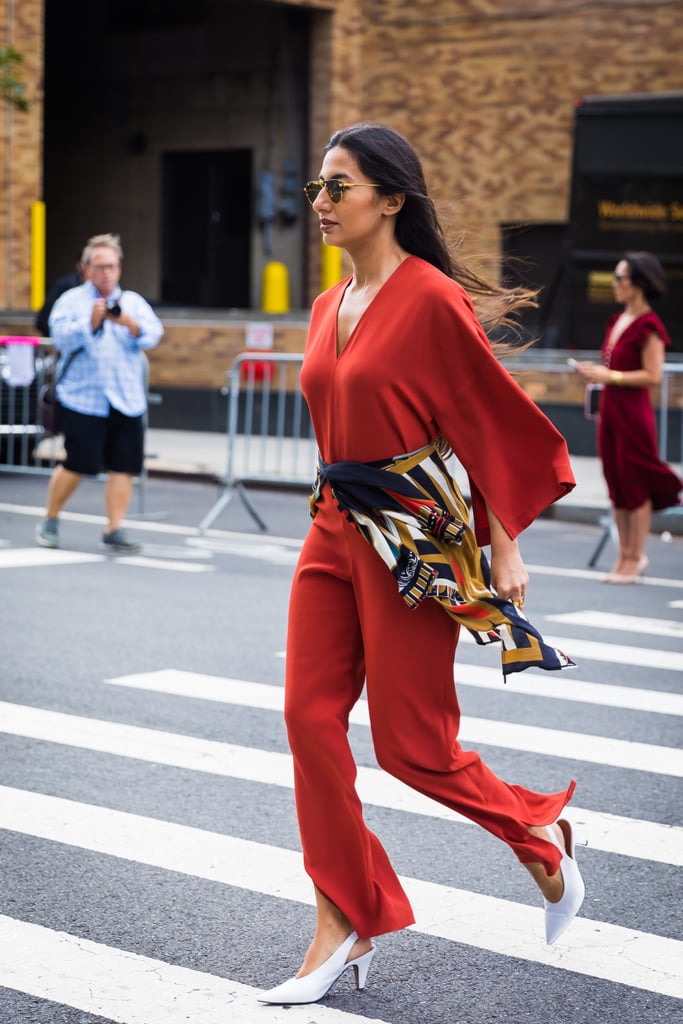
point(105, 266)
point(335, 188)
point(621, 277)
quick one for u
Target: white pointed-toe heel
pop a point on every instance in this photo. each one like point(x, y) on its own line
point(558, 916)
point(312, 987)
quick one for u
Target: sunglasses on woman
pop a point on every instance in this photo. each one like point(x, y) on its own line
point(334, 187)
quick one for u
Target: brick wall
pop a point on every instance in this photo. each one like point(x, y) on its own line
point(485, 89)
point(21, 26)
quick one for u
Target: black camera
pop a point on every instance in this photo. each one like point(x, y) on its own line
point(113, 309)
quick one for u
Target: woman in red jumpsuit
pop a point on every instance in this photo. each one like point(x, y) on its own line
point(632, 360)
point(395, 358)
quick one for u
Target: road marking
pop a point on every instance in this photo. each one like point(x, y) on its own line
point(617, 654)
point(277, 554)
point(594, 575)
point(181, 551)
point(37, 512)
point(208, 687)
point(561, 687)
point(508, 735)
point(39, 558)
point(594, 948)
point(172, 565)
point(630, 837)
point(621, 623)
point(29, 558)
point(133, 989)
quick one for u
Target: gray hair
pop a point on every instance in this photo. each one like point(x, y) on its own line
point(97, 242)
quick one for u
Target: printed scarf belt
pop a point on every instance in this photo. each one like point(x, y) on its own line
point(410, 509)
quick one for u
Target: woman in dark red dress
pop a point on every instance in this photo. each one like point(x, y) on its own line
point(396, 358)
point(632, 361)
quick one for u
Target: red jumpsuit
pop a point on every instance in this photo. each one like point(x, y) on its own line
point(418, 364)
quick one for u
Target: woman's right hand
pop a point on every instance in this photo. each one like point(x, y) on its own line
point(595, 373)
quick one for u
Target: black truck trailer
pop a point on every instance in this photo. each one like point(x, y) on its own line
point(626, 194)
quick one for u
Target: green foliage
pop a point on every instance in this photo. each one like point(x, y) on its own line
point(12, 88)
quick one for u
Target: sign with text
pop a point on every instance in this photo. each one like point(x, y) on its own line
point(614, 214)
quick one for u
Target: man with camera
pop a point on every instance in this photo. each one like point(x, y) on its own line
point(101, 332)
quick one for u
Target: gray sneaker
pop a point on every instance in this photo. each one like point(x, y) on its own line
point(47, 533)
point(118, 540)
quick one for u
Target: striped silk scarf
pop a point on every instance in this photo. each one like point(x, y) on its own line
point(412, 512)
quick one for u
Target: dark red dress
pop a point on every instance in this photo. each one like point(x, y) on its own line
point(627, 436)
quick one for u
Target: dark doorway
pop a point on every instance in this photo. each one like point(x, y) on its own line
point(206, 225)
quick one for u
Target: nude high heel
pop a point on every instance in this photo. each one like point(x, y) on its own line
point(312, 987)
point(641, 566)
point(558, 916)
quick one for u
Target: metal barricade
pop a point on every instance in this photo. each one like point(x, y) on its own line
point(24, 446)
point(555, 362)
point(270, 438)
point(20, 432)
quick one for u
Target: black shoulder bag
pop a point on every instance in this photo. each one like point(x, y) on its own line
point(48, 406)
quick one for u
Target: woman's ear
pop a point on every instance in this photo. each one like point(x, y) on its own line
point(392, 204)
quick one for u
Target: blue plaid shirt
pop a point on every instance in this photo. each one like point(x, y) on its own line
point(109, 371)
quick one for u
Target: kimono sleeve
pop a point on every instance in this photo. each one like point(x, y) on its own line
point(517, 462)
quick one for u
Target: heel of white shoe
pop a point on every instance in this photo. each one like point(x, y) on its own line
point(361, 966)
point(572, 837)
point(558, 916)
point(312, 987)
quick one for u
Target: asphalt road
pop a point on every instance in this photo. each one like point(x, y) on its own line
point(149, 855)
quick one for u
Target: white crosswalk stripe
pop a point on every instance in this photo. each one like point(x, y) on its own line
point(25, 558)
point(594, 948)
point(608, 832)
point(204, 687)
point(609, 620)
point(133, 989)
point(551, 742)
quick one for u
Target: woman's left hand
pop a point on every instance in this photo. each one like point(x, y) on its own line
point(509, 577)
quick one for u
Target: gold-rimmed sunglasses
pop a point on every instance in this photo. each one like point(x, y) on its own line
point(334, 186)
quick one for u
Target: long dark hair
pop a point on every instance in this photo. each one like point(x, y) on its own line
point(389, 160)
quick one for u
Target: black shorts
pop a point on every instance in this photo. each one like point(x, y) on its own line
point(97, 443)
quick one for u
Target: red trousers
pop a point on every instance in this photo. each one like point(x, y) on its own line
point(349, 626)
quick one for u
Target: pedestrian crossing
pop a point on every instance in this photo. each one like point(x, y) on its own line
point(73, 969)
point(448, 913)
point(271, 768)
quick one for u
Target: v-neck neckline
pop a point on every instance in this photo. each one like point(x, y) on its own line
point(338, 354)
point(611, 345)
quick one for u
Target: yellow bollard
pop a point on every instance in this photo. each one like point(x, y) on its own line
point(275, 290)
point(330, 266)
point(37, 255)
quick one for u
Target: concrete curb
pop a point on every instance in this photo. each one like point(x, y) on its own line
point(591, 513)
